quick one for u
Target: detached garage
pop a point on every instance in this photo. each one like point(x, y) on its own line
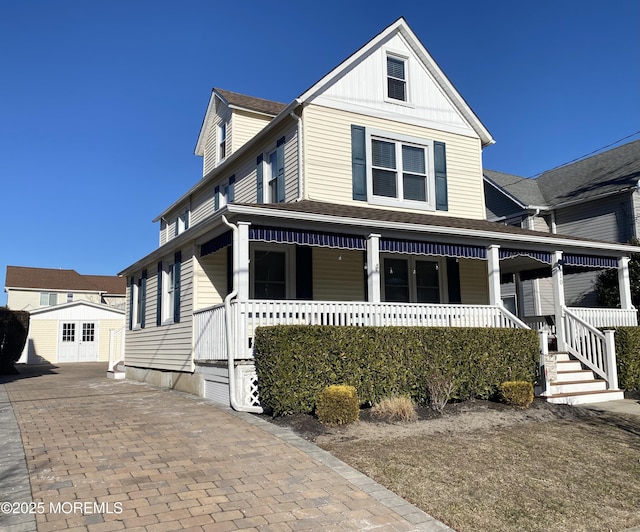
point(74, 332)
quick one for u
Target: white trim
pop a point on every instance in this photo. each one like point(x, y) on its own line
point(399, 140)
point(400, 26)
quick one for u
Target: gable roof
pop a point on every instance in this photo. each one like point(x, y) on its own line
point(615, 170)
point(400, 26)
point(52, 279)
point(234, 100)
point(610, 172)
point(249, 103)
point(524, 191)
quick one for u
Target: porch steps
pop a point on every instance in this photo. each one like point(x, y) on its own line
point(575, 385)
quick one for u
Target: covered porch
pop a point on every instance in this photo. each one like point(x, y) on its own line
point(261, 269)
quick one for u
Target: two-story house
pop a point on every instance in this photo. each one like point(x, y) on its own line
point(73, 317)
point(595, 197)
point(360, 202)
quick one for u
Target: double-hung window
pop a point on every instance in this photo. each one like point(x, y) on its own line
point(400, 170)
point(169, 291)
point(396, 78)
point(222, 142)
point(272, 177)
point(224, 193)
point(182, 223)
point(48, 299)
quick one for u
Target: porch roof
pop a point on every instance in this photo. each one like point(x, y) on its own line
point(430, 225)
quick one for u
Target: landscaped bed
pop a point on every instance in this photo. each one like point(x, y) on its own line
point(484, 466)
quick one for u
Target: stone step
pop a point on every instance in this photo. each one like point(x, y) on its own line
point(579, 398)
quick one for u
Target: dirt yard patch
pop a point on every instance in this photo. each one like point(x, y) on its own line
point(483, 466)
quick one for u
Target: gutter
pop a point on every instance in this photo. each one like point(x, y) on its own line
point(229, 329)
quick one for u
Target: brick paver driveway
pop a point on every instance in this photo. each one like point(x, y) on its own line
point(113, 455)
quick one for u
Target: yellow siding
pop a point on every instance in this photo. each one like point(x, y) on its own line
point(30, 299)
point(211, 279)
point(104, 338)
point(43, 340)
point(327, 146)
point(474, 285)
point(166, 347)
point(223, 114)
point(335, 279)
point(245, 127)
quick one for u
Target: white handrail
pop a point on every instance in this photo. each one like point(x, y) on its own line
point(586, 343)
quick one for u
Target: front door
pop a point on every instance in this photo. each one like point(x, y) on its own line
point(78, 342)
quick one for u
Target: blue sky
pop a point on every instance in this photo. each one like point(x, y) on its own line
point(101, 101)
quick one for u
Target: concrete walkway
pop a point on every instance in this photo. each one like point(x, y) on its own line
point(106, 455)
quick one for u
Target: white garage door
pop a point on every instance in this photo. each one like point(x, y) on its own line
point(78, 341)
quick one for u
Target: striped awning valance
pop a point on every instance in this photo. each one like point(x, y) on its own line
point(589, 261)
point(309, 238)
point(540, 256)
point(219, 242)
point(432, 248)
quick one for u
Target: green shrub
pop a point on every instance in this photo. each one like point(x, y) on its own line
point(14, 329)
point(628, 357)
point(517, 393)
point(397, 408)
point(295, 362)
point(337, 405)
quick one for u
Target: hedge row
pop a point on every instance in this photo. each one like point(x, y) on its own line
point(295, 362)
point(14, 329)
point(628, 357)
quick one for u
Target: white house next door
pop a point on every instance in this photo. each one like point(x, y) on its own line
point(78, 341)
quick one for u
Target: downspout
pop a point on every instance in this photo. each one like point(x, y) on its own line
point(298, 120)
point(230, 336)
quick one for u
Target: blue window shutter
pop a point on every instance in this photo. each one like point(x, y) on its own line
point(229, 269)
point(131, 283)
point(176, 288)
point(304, 273)
point(143, 298)
point(232, 187)
point(453, 280)
point(159, 296)
point(440, 163)
point(216, 198)
point(359, 163)
point(259, 171)
point(280, 178)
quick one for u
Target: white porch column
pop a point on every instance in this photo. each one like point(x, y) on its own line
point(624, 283)
point(241, 270)
point(373, 267)
point(493, 270)
point(557, 278)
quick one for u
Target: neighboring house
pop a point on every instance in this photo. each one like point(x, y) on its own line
point(596, 197)
point(361, 202)
point(73, 317)
point(35, 288)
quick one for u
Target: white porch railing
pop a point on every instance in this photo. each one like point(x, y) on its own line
point(590, 346)
point(116, 347)
point(606, 317)
point(210, 331)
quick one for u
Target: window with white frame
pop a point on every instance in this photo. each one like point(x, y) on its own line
point(222, 142)
point(69, 297)
point(400, 170)
point(169, 292)
point(411, 279)
point(182, 223)
point(396, 77)
point(48, 299)
point(272, 272)
point(272, 177)
point(138, 302)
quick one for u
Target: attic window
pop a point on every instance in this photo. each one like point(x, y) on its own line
point(396, 78)
point(222, 143)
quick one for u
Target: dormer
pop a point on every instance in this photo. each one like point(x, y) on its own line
point(230, 121)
